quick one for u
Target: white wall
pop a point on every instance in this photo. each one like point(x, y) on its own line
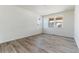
point(77, 25)
point(16, 23)
point(68, 24)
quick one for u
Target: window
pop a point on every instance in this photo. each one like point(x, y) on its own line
point(51, 22)
point(55, 22)
point(59, 22)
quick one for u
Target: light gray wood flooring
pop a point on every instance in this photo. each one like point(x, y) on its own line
point(42, 43)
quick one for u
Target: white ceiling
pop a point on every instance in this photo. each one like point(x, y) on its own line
point(47, 9)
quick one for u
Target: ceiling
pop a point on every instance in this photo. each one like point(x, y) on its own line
point(47, 9)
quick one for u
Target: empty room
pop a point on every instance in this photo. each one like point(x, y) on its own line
point(39, 29)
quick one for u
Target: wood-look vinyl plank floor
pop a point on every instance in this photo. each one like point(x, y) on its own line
point(42, 43)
